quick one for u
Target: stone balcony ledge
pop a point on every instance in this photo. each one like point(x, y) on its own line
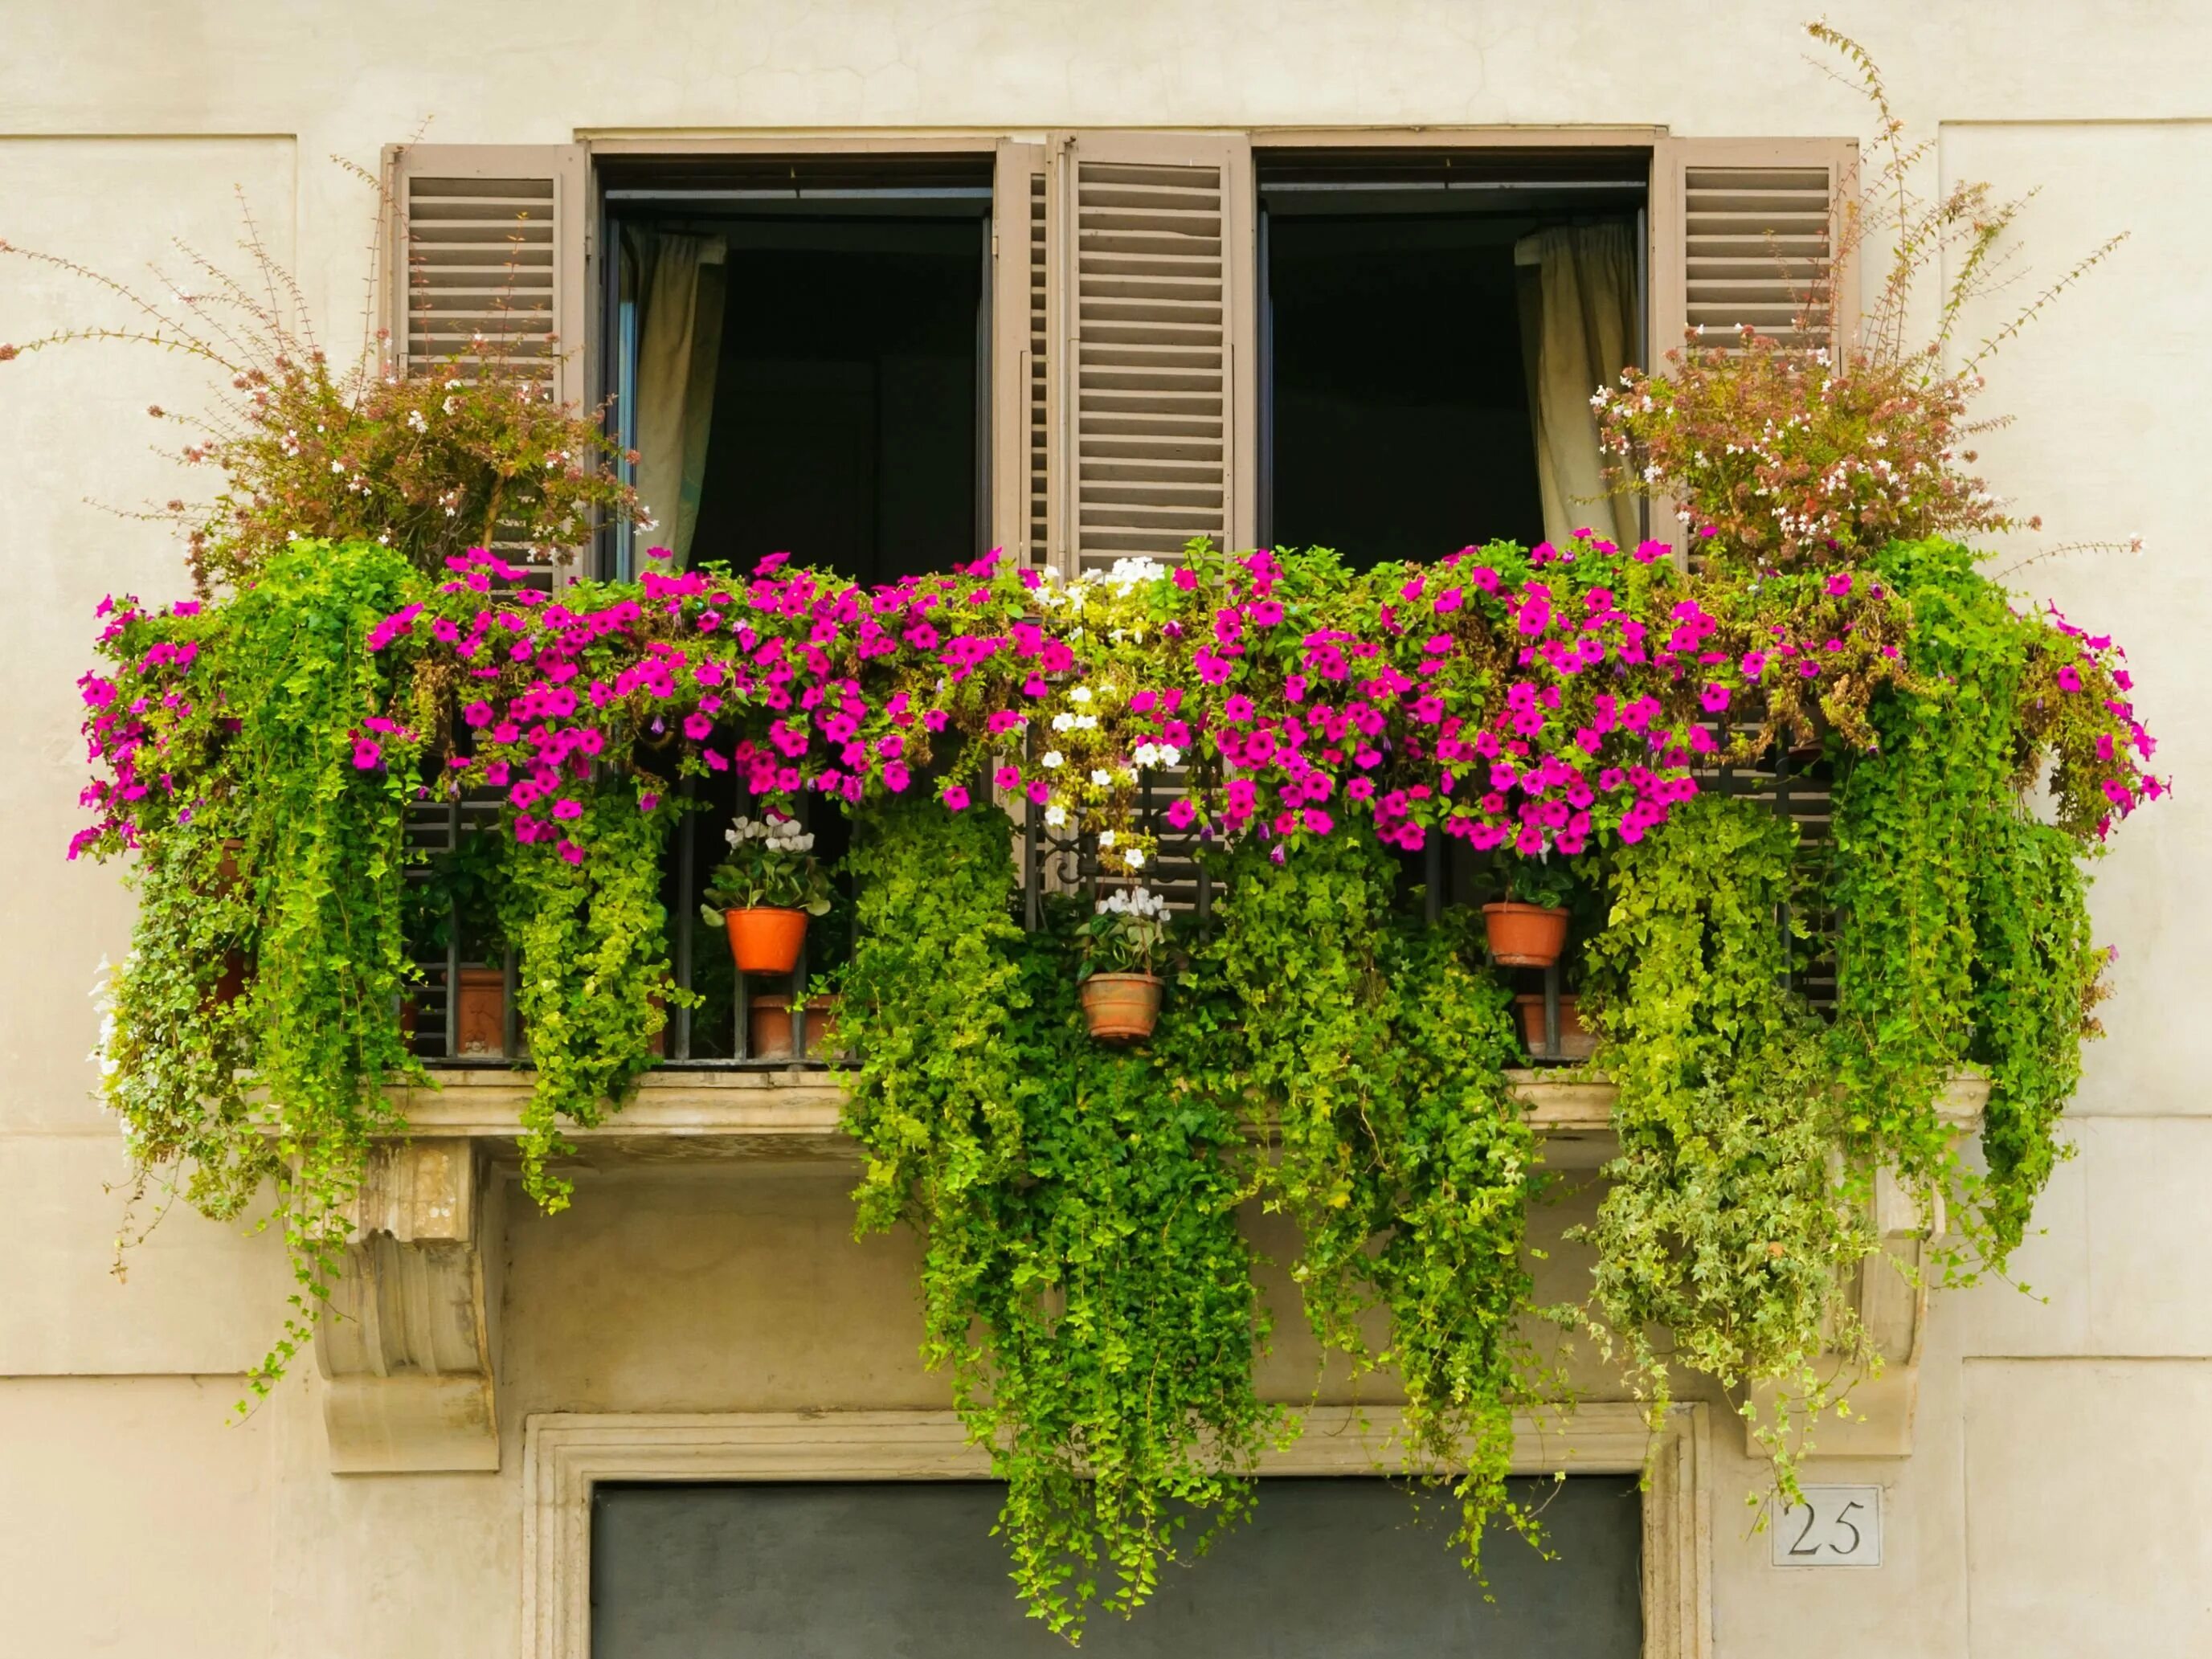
point(792, 1112)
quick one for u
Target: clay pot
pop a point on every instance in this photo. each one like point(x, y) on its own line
point(1574, 1042)
point(230, 984)
point(1120, 1008)
point(480, 1013)
point(765, 941)
point(1524, 935)
point(767, 1028)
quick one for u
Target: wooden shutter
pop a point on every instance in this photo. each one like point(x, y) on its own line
point(490, 240)
point(1741, 229)
point(1149, 325)
point(1019, 353)
point(490, 257)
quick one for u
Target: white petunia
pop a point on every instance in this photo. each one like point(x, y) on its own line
point(1053, 757)
point(1063, 721)
point(1134, 859)
point(1054, 816)
point(1100, 776)
point(1105, 837)
point(1081, 694)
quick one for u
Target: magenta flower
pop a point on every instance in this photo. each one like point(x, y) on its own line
point(956, 796)
point(367, 755)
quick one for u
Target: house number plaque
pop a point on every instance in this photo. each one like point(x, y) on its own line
point(1834, 1527)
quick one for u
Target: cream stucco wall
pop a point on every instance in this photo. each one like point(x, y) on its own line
point(2053, 1506)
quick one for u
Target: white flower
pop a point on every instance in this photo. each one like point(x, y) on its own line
point(1081, 694)
point(1100, 776)
point(1134, 859)
point(1084, 722)
point(1063, 721)
point(1054, 816)
point(1148, 754)
point(1105, 837)
point(1053, 757)
point(1170, 755)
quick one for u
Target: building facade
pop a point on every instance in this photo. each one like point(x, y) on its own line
point(702, 1314)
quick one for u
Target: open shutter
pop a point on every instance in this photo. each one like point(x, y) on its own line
point(1019, 352)
point(488, 259)
point(1742, 229)
point(1150, 313)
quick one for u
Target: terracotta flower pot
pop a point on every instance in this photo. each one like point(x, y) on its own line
point(767, 1028)
point(480, 1013)
point(1525, 935)
point(765, 941)
point(1574, 1042)
point(1121, 1007)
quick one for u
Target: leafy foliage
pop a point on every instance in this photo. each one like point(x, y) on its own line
point(592, 987)
point(1725, 1223)
point(1374, 1056)
point(1077, 1210)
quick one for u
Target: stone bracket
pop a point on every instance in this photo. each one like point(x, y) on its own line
point(405, 1344)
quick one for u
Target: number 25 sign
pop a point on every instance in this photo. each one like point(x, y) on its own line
point(1834, 1527)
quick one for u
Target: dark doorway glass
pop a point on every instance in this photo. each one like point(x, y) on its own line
point(1327, 1568)
point(845, 425)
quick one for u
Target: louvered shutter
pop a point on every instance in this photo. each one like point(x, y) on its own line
point(1742, 230)
point(489, 257)
point(1149, 325)
point(1019, 353)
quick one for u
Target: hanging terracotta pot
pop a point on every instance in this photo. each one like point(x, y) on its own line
point(1574, 1042)
point(765, 941)
point(1120, 1008)
point(1525, 935)
point(480, 1013)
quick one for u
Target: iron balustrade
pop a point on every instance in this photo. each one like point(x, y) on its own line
point(463, 956)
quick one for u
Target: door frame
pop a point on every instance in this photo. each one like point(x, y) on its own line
point(565, 1454)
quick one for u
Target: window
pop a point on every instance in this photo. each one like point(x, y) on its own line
point(1428, 319)
point(799, 354)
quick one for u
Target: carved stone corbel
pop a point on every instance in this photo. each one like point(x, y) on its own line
point(405, 1346)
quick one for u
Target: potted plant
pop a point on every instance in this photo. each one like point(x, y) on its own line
point(1576, 1041)
point(769, 1027)
point(764, 891)
point(1527, 928)
point(1123, 943)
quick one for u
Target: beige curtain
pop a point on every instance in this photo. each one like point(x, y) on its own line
point(681, 283)
point(1577, 329)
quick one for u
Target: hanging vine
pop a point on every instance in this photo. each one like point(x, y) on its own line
point(1084, 1280)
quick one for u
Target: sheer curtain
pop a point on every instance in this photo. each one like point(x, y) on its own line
point(681, 288)
point(1577, 328)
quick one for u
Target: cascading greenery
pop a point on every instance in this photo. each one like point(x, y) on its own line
point(288, 858)
point(592, 987)
point(1374, 1055)
point(1727, 1222)
point(1964, 929)
point(1084, 1280)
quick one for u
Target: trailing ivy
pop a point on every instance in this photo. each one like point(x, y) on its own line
point(2035, 984)
point(1083, 1280)
point(324, 777)
point(1963, 923)
point(592, 987)
point(1374, 1055)
point(1728, 1223)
